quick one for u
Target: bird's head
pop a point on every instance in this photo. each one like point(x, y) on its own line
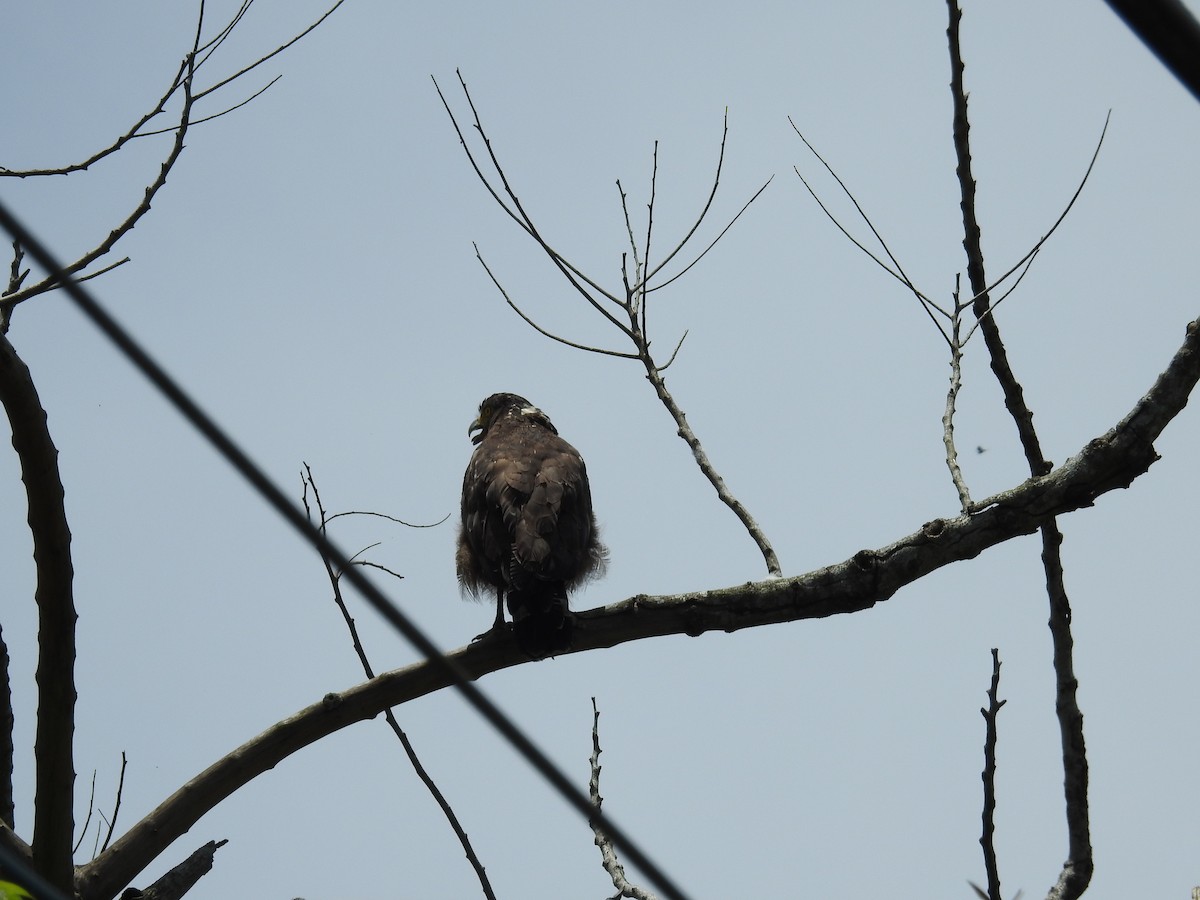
point(498, 405)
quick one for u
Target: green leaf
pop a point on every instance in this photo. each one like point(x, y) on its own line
point(10, 891)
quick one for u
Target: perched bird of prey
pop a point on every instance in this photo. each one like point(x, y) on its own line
point(527, 525)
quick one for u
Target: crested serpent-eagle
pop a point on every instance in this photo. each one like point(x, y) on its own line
point(527, 525)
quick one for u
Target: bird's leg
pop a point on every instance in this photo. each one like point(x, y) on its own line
point(499, 626)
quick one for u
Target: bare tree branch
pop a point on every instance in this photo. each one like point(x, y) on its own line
point(608, 853)
point(986, 840)
point(538, 328)
point(121, 141)
point(181, 85)
point(53, 826)
point(928, 305)
point(54, 279)
point(278, 50)
point(956, 354)
point(1077, 870)
point(655, 377)
point(8, 810)
point(1027, 260)
point(88, 820)
point(1111, 461)
point(322, 521)
point(583, 285)
point(182, 878)
point(112, 822)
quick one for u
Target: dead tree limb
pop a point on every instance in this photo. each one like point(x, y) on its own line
point(1077, 870)
point(53, 824)
point(180, 879)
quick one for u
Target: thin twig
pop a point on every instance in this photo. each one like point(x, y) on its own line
point(262, 90)
point(712, 195)
point(379, 515)
point(987, 839)
point(322, 521)
point(586, 287)
point(254, 65)
point(1027, 260)
point(956, 354)
point(703, 253)
point(654, 375)
point(538, 328)
point(898, 272)
point(112, 822)
point(91, 808)
point(54, 279)
point(608, 853)
point(181, 84)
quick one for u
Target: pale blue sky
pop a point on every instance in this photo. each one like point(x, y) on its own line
point(308, 272)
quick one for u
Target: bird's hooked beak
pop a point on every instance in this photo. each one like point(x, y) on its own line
point(475, 426)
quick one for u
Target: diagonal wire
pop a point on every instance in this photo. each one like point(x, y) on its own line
point(14, 866)
point(1171, 32)
point(295, 517)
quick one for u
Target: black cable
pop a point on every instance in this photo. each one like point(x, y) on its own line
point(1170, 31)
point(292, 513)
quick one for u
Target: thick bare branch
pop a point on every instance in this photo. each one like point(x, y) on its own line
point(7, 808)
point(53, 826)
point(109, 150)
point(1076, 873)
point(1113, 460)
point(1014, 398)
point(182, 878)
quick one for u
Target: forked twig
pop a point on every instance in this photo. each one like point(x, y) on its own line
point(535, 326)
point(631, 300)
point(980, 299)
point(182, 87)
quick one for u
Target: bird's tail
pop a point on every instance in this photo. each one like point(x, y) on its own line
point(541, 618)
